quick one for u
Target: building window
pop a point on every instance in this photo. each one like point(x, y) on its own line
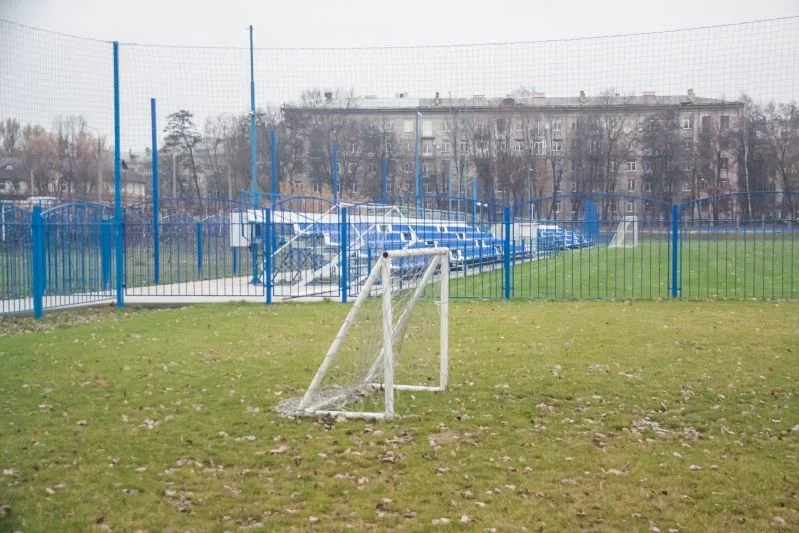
point(557, 187)
point(500, 125)
point(501, 145)
point(685, 166)
point(631, 185)
point(427, 148)
point(446, 147)
point(518, 128)
point(557, 146)
point(630, 206)
point(426, 169)
point(317, 187)
point(389, 186)
point(462, 146)
point(538, 148)
point(427, 128)
point(354, 188)
point(647, 165)
point(539, 128)
point(517, 147)
point(648, 187)
point(482, 145)
point(557, 207)
point(388, 126)
point(408, 126)
point(428, 188)
point(686, 124)
point(652, 125)
point(723, 163)
point(574, 125)
point(557, 125)
point(445, 126)
point(725, 121)
point(687, 145)
point(706, 123)
point(632, 166)
point(574, 165)
point(686, 187)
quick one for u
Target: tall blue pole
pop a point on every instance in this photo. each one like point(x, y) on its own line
point(416, 165)
point(253, 139)
point(253, 161)
point(120, 272)
point(156, 196)
point(675, 236)
point(507, 253)
point(344, 255)
point(384, 179)
point(275, 189)
point(268, 239)
point(449, 186)
point(38, 255)
point(335, 173)
point(474, 203)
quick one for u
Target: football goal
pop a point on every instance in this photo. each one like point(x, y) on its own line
point(626, 235)
point(394, 339)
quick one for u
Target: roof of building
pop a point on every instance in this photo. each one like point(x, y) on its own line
point(535, 100)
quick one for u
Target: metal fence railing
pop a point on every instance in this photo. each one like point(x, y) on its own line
point(573, 247)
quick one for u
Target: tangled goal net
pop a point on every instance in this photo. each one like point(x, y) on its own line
point(387, 343)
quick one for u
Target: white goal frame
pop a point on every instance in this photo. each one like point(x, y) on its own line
point(382, 271)
point(620, 240)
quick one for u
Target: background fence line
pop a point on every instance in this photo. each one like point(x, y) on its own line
point(650, 166)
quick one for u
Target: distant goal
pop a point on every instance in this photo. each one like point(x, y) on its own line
point(394, 338)
point(626, 235)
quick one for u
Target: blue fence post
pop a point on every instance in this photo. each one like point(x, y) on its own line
point(335, 173)
point(275, 189)
point(199, 248)
point(383, 179)
point(118, 222)
point(235, 255)
point(675, 237)
point(343, 260)
point(105, 244)
point(156, 197)
point(37, 253)
point(267, 233)
point(506, 255)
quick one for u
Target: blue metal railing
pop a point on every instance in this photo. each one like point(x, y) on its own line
point(566, 247)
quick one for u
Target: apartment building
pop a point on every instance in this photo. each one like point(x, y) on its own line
point(520, 147)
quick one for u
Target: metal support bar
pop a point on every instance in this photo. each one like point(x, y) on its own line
point(156, 196)
point(344, 255)
point(118, 221)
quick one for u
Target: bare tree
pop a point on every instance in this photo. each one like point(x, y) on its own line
point(10, 132)
point(182, 137)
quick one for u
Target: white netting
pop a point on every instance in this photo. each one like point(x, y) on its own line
point(626, 235)
point(352, 380)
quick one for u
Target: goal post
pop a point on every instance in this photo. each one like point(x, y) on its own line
point(626, 235)
point(361, 364)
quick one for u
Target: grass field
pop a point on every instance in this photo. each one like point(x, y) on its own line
point(560, 417)
point(709, 268)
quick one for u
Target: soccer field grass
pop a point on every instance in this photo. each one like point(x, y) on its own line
point(565, 416)
point(736, 268)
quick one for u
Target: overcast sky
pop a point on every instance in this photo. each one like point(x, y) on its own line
point(326, 23)
point(45, 75)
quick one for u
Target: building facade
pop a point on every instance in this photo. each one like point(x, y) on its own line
point(519, 148)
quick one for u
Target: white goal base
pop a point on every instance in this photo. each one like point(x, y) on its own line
point(316, 403)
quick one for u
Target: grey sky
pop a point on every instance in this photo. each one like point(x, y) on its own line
point(315, 23)
point(45, 75)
